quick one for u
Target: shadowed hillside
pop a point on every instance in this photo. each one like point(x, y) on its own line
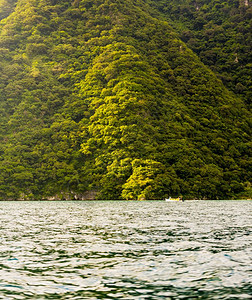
point(219, 32)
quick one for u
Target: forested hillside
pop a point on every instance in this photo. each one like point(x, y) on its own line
point(219, 32)
point(113, 98)
point(6, 7)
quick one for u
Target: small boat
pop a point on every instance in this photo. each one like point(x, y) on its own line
point(173, 199)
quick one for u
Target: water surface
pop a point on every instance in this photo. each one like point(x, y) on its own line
point(125, 250)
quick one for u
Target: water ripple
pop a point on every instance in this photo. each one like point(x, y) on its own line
point(125, 250)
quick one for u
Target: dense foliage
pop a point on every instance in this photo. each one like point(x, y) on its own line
point(220, 33)
point(104, 96)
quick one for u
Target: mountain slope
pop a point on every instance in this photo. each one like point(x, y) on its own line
point(6, 7)
point(220, 34)
point(103, 96)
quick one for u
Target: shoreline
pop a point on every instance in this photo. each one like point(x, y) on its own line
point(121, 200)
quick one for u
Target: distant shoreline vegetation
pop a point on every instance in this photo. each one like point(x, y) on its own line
point(87, 197)
point(121, 200)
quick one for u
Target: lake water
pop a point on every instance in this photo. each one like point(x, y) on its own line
point(125, 250)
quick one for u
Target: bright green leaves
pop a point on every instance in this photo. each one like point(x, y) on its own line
point(146, 181)
point(124, 96)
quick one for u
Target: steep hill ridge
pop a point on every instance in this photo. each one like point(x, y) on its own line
point(220, 33)
point(103, 96)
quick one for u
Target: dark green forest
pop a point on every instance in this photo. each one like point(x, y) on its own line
point(125, 99)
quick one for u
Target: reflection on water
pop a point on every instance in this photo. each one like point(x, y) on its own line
point(125, 250)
